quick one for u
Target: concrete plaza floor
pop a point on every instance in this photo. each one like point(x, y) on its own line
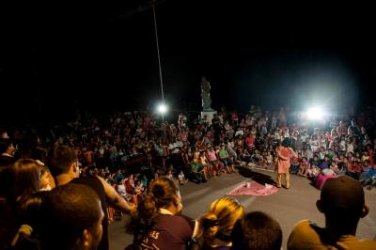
point(287, 206)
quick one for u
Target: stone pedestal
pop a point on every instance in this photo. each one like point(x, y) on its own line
point(207, 116)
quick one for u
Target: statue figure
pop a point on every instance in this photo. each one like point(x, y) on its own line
point(205, 94)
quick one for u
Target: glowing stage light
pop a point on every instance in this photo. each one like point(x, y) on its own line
point(162, 108)
point(315, 113)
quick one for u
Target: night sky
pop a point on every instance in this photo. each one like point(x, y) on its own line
point(55, 59)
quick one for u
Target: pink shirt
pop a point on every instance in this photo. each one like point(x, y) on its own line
point(284, 154)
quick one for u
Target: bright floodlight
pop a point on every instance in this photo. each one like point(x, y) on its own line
point(315, 114)
point(162, 108)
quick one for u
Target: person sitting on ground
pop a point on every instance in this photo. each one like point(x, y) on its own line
point(256, 231)
point(211, 155)
point(225, 158)
point(213, 229)
point(197, 174)
point(295, 165)
point(368, 177)
point(343, 204)
point(303, 167)
point(245, 157)
point(206, 165)
point(181, 178)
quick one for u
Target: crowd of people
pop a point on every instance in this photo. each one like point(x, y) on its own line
point(133, 164)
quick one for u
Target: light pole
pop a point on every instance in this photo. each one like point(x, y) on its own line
point(164, 109)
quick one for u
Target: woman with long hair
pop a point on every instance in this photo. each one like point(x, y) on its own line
point(213, 230)
point(158, 224)
point(25, 174)
point(24, 181)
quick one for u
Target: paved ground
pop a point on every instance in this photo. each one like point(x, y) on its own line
point(287, 206)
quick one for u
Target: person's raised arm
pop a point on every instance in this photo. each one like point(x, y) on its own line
point(115, 199)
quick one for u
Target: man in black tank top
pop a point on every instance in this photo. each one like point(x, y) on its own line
point(64, 166)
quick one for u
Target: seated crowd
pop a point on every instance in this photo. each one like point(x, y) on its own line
point(133, 165)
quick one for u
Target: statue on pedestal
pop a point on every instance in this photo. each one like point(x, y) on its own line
point(205, 94)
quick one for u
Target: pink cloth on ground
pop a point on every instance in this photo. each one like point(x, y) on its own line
point(254, 189)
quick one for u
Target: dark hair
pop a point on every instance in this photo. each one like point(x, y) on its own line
point(161, 193)
point(67, 211)
point(342, 197)
point(257, 231)
point(5, 144)
point(60, 159)
point(25, 176)
point(286, 142)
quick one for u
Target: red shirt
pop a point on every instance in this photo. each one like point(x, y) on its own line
point(169, 232)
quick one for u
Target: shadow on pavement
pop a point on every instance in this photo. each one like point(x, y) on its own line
point(258, 177)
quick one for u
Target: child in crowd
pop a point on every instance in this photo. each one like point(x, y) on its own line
point(303, 167)
point(269, 160)
point(120, 188)
point(169, 174)
point(225, 158)
point(313, 169)
point(208, 168)
point(139, 188)
point(181, 178)
point(295, 165)
point(334, 167)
